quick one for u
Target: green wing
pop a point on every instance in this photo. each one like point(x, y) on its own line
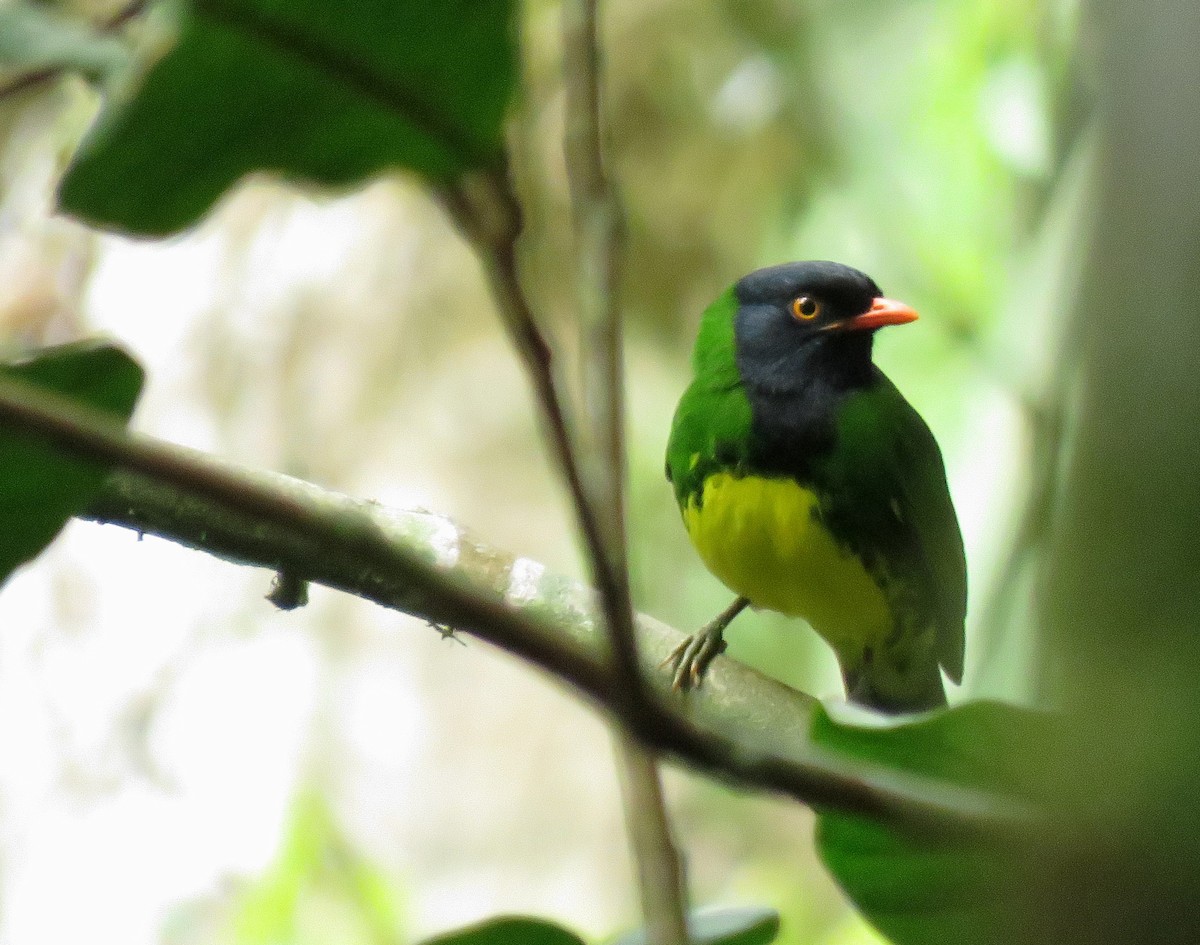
point(889, 474)
point(711, 431)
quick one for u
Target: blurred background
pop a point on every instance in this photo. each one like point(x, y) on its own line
point(181, 763)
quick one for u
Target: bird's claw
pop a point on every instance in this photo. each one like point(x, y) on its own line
point(689, 660)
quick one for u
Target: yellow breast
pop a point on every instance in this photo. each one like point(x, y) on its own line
point(765, 540)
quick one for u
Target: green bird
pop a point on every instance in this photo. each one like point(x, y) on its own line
point(810, 486)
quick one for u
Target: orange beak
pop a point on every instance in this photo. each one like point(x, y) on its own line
point(882, 312)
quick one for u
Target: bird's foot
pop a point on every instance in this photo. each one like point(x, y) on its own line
point(689, 661)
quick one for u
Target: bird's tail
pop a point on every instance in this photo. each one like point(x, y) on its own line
point(893, 689)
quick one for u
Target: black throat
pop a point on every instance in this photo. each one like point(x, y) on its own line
point(795, 395)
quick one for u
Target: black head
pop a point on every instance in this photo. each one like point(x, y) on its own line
point(807, 321)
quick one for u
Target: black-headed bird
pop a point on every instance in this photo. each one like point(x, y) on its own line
point(810, 486)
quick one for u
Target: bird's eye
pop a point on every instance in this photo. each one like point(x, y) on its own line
point(805, 309)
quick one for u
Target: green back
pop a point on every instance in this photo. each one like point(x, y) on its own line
point(888, 498)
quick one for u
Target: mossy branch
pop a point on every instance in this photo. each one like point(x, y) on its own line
point(740, 726)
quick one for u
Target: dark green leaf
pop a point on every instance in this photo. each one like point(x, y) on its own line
point(746, 925)
point(41, 487)
point(328, 93)
point(923, 890)
point(33, 39)
point(509, 930)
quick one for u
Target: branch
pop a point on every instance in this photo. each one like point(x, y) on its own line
point(741, 726)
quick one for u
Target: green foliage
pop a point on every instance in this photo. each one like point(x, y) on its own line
point(318, 890)
point(746, 925)
point(334, 93)
point(922, 889)
point(32, 38)
point(326, 93)
point(40, 487)
point(509, 930)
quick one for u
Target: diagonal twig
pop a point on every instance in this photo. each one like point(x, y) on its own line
point(485, 208)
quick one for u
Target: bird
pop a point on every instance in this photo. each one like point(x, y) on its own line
point(810, 486)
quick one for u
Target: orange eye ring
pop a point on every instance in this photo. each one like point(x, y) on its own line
point(805, 308)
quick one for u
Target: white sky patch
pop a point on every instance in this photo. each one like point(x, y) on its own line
point(1012, 104)
point(383, 719)
point(749, 98)
point(312, 245)
point(150, 294)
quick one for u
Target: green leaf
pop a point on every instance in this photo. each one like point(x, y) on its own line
point(925, 890)
point(318, 889)
point(509, 930)
point(41, 487)
point(745, 925)
point(33, 39)
point(325, 93)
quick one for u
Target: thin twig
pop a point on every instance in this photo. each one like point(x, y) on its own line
point(28, 80)
point(38, 77)
point(124, 15)
point(661, 879)
point(487, 211)
point(599, 234)
point(756, 737)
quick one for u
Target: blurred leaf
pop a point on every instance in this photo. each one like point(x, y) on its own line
point(329, 93)
point(34, 39)
point(923, 890)
point(745, 925)
point(40, 487)
point(267, 911)
point(318, 889)
point(509, 930)
point(375, 899)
